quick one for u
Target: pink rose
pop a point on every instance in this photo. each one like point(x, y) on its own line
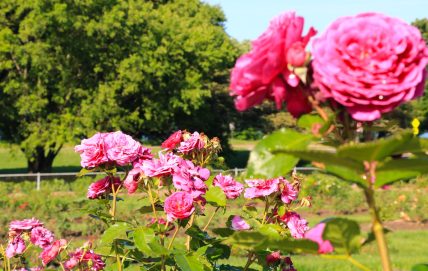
point(194, 142)
point(190, 178)
point(122, 148)
point(315, 234)
point(15, 246)
point(239, 224)
point(288, 192)
point(370, 63)
point(230, 187)
point(102, 187)
point(24, 225)
point(297, 225)
point(179, 205)
point(85, 258)
point(173, 140)
point(92, 151)
point(41, 237)
point(264, 72)
point(52, 251)
point(261, 188)
point(164, 166)
point(143, 154)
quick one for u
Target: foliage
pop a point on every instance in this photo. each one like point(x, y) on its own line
point(70, 68)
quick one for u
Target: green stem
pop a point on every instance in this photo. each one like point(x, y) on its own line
point(250, 260)
point(210, 219)
point(118, 261)
point(378, 229)
point(173, 237)
point(192, 219)
point(152, 202)
point(113, 207)
point(266, 210)
point(358, 264)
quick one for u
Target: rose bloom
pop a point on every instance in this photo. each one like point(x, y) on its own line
point(102, 187)
point(143, 154)
point(92, 151)
point(190, 178)
point(315, 234)
point(173, 140)
point(122, 148)
point(261, 188)
point(370, 63)
point(194, 142)
point(179, 205)
point(273, 257)
point(52, 251)
point(41, 237)
point(231, 188)
point(264, 72)
point(297, 225)
point(164, 166)
point(24, 225)
point(131, 181)
point(288, 192)
point(85, 258)
point(15, 246)
point(239, 224)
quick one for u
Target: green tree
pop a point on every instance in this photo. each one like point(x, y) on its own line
point(70, 68)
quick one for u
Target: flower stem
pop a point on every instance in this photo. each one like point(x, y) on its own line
point(152, 203)
point(173, 237)
point(378, 229)
point(118, 261)
point(266, 210)
point(192, 219)
point(250, 260)
point(210, 219)
point(113, 207)
point(358, 264)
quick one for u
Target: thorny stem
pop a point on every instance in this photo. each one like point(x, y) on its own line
point(377, 226)
point(210, 219)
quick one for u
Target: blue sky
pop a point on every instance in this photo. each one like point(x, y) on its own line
point(247, 19)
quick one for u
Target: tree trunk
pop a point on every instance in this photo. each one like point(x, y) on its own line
point(41, 162)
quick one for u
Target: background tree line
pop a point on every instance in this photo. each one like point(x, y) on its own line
point(69, 68)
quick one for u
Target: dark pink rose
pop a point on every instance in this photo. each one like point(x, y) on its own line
point(370, 63)
point(239, 224)
point(86, 259)
point(179, 205)
point(315, 234)
point(193, 142)
point(41, 237)
point(52, 251)
point(24, 225)
point(15, 246)
point(288, 192)
point(122, 148)
point(144, 154)
point(92, 151)
point(265, 72)
point(297, 225)
point(231, 188)
point(173, 140)
point(273, 257)
point(261, 188)
point(102, 187)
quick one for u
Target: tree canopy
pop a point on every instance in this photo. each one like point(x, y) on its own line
point(70, 68)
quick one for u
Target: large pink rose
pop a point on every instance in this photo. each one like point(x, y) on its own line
point(92, 151)
point(297, 225)
point(87, 259)
point(267, 71)
point(261, 188)
point(52, 251)
point(194, 141)
point(26, 224)
point(190, 178)
point(370, 63)
point(41, 237)
point(179, 205)
point(164, 166)
point(102, 187)
point(122, 148)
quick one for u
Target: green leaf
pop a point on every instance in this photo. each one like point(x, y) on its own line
point(196, 233)
point(188, 262)
point(308, 120)
point(142, 238)
point(216, 196)
point(401, 169)
point(344, 235)
point(223, 232)
point(116, 231)
point(265, 164)
point(376, 150)
point(420, 267)
point(218, 251)
point(85, 171)
point(347, 174)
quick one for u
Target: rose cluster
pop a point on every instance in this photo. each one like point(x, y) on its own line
point(367, 64)
point(31, 231)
